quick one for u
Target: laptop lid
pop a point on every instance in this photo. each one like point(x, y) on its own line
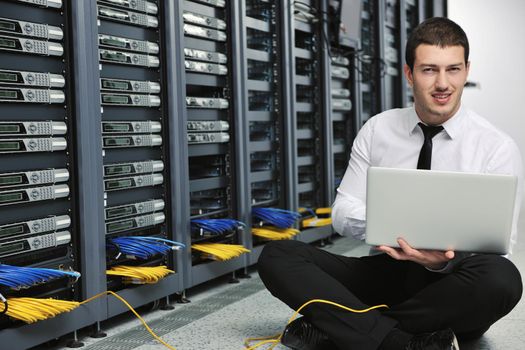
point(440, 210)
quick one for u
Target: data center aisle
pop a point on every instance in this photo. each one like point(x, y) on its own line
point(222, 316)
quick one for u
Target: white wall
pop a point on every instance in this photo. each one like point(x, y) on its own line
point(496, 32)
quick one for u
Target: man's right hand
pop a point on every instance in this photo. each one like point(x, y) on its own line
point(432, 259)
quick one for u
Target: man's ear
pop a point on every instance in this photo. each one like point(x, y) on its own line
point(408, 75)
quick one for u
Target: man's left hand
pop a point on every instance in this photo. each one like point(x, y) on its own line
point(433, 259)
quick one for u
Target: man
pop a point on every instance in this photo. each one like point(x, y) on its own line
point(432, 295)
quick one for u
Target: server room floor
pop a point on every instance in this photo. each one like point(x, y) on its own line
point(221, 316)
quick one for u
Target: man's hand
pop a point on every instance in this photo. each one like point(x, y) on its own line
point(433, 259)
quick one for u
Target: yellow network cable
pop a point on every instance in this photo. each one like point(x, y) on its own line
point(220, 251)
point(323, 211)
point(316, 222)
point(108, 292)
point(276, 339)
point(274, 233)
point(30, 310)
point(139, 274)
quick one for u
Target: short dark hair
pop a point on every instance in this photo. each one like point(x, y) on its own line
point(437, 31)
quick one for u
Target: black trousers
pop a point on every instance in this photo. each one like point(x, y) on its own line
point(480, 290)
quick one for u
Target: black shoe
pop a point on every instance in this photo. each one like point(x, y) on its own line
point(440, 340)
point(302, 335)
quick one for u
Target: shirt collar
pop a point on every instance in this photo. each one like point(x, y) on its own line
point(452, 126)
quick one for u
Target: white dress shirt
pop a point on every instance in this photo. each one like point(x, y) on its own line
point(468, 143)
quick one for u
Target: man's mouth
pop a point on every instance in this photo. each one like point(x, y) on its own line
point(441, 98)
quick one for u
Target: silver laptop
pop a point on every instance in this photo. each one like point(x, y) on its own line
point(440, 210)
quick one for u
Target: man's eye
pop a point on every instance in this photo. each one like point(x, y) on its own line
point(428, 70)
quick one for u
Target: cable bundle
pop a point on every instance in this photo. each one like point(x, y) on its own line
point(31, 310)
point(16, 277)
point(274, 233)
point(215, 226)
point(220, 251)
point(311, 218)
point(316, 222)
point(142, 247)
point(276, 217)
point(139, 274)
point(323, 211)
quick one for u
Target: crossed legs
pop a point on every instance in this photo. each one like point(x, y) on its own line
point(480, 290)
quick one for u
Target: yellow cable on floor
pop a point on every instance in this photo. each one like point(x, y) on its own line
point(276, 339)
point(220, 251)
point(108, 292)
point(139, 274)
point(274, 233)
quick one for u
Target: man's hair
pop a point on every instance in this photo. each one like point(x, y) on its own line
point(436, 31)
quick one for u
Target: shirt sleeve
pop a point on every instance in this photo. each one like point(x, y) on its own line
point(349, 208)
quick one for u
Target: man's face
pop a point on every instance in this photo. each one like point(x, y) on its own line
point(437, 81)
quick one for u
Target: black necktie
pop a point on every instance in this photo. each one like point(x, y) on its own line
point(425, 155)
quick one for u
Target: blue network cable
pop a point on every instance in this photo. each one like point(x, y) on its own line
point(276, 217)
point(17, 277)
point(142, 247)
point(215, 226)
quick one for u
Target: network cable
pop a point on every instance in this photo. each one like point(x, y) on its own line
point(16, 277)
point(30, 310)
point(280, 218)
point(274, 233)
point(311, 218)
point(274, 340)
point(215, 226)
point(220, 251)
point(139, 274)
point(142, 247)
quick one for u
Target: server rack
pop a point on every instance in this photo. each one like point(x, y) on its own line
point(41, 116)
point(213, 125)
point(389, 51)
point(264, 118)
point(343, 89)
point(409, 18)
point(369, 62)
point(133, 104)
point(342, 94)
point(308, 118)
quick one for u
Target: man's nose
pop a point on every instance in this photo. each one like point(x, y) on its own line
point(441, 81)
